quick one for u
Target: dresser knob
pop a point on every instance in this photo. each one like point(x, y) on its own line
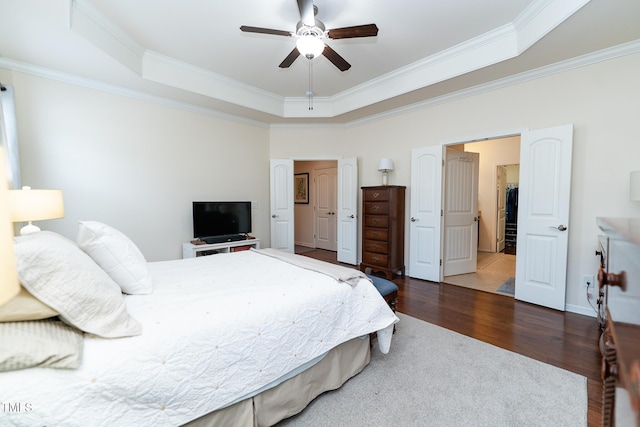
point(376, 207)
point(612, 279)
point(376, 195)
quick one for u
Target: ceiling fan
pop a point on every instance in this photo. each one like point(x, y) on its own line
point(311, 32)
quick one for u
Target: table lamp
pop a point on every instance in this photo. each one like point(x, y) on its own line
point(9, 285)
point(385, 166)
point(34, 205)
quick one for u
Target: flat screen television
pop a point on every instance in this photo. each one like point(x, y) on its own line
point(213, 220)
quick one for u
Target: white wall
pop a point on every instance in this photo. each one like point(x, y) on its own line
point(600, 100)
point(134, 165)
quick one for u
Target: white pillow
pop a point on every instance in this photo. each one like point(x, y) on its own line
point(117, 255)
point(66, 279)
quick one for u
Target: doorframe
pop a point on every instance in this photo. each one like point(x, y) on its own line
point(310, 159)
point(470, 140)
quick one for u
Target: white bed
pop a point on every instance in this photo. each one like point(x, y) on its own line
point(215, 331)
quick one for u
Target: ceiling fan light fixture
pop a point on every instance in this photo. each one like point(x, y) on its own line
point(310, 46)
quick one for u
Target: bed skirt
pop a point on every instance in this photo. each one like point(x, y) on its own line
point(294, 394)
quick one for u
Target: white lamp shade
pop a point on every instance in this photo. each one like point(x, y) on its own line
point(310, 46)
point(9, 285)
point(634, 186)
point(385, 165)
point(35, 205)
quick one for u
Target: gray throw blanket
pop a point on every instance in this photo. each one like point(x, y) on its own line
point(338, 272)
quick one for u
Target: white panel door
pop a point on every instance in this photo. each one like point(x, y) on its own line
point(326, 184)
point(543, 216)
point(425, 211)
point(281, 185)
point(460, 212)
point(501, 191)
point(348, 210)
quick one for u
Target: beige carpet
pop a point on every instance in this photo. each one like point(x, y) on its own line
point(436, 377)
point(491, 272)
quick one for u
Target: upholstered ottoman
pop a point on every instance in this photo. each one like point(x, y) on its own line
point(387, 289)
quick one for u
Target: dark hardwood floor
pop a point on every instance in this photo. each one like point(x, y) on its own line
point(566, 340)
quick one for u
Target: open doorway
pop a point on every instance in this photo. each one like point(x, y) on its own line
point(498, 175)
point(315, 217)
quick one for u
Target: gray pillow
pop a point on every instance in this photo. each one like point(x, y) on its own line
point(42, 343)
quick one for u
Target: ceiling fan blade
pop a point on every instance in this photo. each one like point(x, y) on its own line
point(248, 29)
point(336, 59)
point(307, 16)
point(290, 58)
point(368, 30)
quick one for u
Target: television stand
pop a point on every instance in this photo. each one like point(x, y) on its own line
point(189, 250)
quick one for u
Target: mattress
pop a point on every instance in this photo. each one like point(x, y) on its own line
point(215, 329)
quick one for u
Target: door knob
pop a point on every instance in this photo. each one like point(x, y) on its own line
point(475, 218)
point(351, 216)
point(274, 216)
point(560, 227)
point(413, 219)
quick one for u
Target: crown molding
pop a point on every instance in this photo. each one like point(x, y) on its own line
point(559, 67)
point(581, 61)
point(495, 46)
point(47, 73)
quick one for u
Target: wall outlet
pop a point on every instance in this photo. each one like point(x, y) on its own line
point(587, 281)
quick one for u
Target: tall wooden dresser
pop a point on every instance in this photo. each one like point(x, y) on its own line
point(620, 341)
point(383, 229)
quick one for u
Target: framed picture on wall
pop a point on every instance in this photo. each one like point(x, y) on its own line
point(301, 188)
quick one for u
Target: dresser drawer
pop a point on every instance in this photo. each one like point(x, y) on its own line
point(376, 208)
point(376, 247)
point(376, 234)
point(376, 259)
point(376, 221)
point(375, 195)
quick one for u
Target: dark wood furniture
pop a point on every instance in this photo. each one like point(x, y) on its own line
point(620, 341)
point(383, 230)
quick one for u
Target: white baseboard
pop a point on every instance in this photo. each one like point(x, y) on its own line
point(586, 311)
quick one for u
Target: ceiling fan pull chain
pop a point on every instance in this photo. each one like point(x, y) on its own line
point(310, 92)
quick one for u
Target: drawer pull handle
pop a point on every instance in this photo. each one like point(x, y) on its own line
point(375, 233)
point(375, 246)
point(375, 258)
point(375, 221)
point(376, 207)
point(376, 195)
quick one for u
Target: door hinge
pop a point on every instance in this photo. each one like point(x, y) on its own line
point(442, 162)
point(440, 262)
point(441, 212)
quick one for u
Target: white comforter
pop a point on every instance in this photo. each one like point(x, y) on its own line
point(215, 329)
